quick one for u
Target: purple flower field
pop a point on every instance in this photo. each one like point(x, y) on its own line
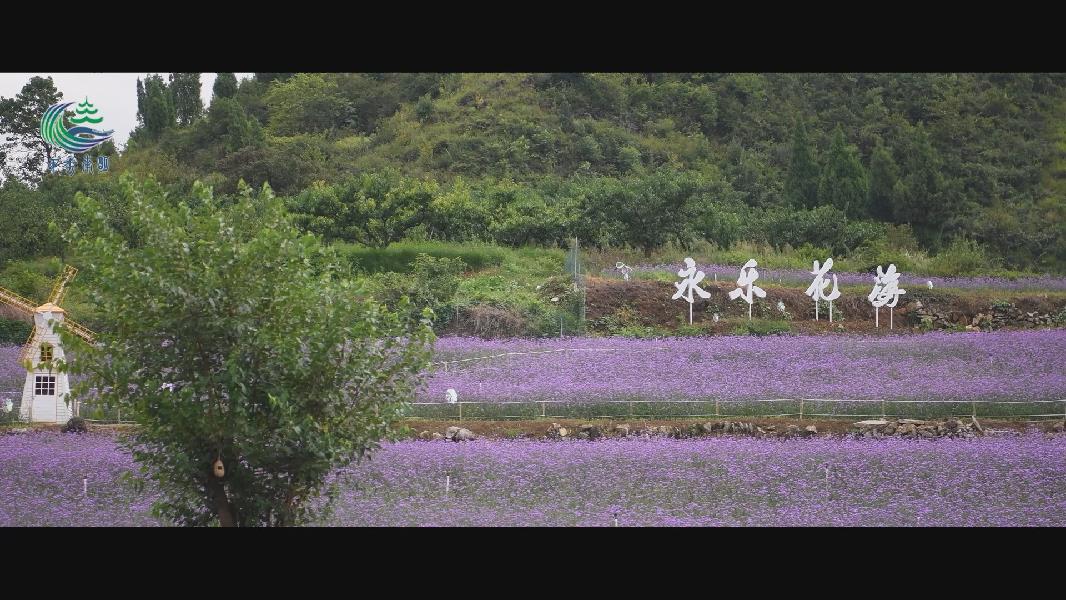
point(41, 482)
point(959, 367)
point(802, 276)
point(1013, 481)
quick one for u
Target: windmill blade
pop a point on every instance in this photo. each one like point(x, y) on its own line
point(60, 287)
point(27, 350)
point(79, 330)
point(11, 298)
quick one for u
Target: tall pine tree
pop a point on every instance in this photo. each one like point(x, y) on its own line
point(924, 198)
point(140, 101)
point(801, 186)
point(159, 112)
point(843, 183)
point(884, 173)
point(185, 89)
point(225, 85)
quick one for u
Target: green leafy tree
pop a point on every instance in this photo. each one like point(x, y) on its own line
point(924, 198)
point(225, 85)
point(23, 152)
point(159, 112)
point(306, 103)
point(843, 183)
point(252, 370)
point(230, 126)
point(375, 209)
point(24, 231)
point(431, 283)
point(884, 173)
point(185, 89)
point(650, 211)
point(141, 97)
point(801, 186)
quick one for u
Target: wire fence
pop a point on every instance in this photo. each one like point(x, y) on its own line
point(801, 408)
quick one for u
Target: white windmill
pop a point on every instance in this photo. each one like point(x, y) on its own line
point(44, 395)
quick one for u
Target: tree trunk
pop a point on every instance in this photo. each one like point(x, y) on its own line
point(223, 508)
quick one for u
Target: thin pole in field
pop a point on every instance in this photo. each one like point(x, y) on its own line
point(84, 486)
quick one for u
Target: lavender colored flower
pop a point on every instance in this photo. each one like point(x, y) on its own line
point(1015, 481)
point(958, 367)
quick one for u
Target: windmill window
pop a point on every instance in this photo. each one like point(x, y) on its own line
point(46, 352)
point(44, 385)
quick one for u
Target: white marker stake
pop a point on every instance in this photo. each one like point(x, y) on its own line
point(85, 486)
point(830, 311)
point(815, 309)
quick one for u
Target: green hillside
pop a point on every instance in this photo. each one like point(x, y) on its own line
point(844, 162)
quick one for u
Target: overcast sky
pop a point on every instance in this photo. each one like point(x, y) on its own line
point(113, 94)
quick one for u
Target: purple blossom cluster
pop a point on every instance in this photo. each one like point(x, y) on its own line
point(804, 277)
point(55, 479)
point(1004, 365)
point(712, 482)
point(1013, 481)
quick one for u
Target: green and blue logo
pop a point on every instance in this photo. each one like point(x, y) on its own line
point(81, 138)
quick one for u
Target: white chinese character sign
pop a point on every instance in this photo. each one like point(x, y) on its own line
point(692, 277)
point(817, 287)
point(747, 278)
point(886, 292)
point(624, 268)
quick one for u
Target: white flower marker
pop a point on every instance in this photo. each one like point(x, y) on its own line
point(886, 292)
point(747, 278)
point(817, 287)
point(689, 284)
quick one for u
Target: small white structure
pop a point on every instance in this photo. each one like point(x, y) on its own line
point(689, 284)
point(47, 387)
point(624, 268)
point(44, 395)
point(451, 396)
point(748, 275)
point(886, 292)
point(817, 287)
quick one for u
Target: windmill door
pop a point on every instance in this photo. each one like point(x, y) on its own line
point(44, 399)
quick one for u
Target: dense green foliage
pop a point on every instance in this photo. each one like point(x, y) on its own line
point(235, 343)
point(635, 159)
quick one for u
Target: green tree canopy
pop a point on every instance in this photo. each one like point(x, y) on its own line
point(159, 111)
point(801, 185)
point(185, 89)
point(843, 183)
point(225, 85)
point(884, 173)
point(23, 152)
point(228, 337)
